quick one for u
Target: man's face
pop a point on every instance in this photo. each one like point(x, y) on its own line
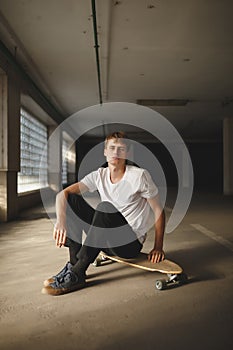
point(115, 152)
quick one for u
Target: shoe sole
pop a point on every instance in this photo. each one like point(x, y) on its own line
point(47, 282)
point(56, 292)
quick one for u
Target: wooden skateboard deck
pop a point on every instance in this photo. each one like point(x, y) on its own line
point(142, 262)
point(174, 272)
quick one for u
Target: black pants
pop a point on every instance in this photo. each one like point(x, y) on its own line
point(107, 230)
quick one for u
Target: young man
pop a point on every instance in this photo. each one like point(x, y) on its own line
point(118, 225)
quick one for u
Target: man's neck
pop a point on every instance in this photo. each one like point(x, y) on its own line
point(116, 172)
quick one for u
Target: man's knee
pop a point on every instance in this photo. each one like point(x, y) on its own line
point(106, 207)
point(74, 202)
point(72, 198)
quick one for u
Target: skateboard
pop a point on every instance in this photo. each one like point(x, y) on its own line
point(175, 274)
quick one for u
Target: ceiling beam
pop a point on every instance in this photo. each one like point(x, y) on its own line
point(96, 49)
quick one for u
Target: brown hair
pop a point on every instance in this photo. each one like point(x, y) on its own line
point(119, 136)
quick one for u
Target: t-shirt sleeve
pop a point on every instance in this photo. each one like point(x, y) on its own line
point(148, 189)
point(90, 181)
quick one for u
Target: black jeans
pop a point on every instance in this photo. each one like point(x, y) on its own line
point(106, 228)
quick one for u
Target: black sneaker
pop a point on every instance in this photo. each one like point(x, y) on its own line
point(68, 283)
point(60, 274)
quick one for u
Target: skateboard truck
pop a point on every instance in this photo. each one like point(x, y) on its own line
point(172, 281)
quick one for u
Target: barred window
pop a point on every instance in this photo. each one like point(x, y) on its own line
point(33, 144)
point(64, 161)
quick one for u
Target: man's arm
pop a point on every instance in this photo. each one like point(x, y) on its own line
point(59, 232)
point(157, 253)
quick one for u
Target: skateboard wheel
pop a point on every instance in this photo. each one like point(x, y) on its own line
point(160, 284)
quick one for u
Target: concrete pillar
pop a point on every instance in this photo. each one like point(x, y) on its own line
point(55, 159)
point(9, 144)
point(228, 156)
point(71, 164)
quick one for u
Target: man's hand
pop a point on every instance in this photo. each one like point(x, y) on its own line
point(156, 256)
point(59, 234)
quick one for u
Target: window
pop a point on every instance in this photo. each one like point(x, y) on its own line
point(33, 144)
point(64, 161)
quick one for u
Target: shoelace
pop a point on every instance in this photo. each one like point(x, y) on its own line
point(60, 275)
point(65, 278)
point(63, 271)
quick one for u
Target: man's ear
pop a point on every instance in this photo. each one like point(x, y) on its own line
point(105, 152)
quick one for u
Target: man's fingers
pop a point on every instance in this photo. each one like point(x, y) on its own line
point(59, 234)
point(156, 256)
point(54, 234)
point(62, 238)
point(57, 238)
point(151, 257)
point(159, 257)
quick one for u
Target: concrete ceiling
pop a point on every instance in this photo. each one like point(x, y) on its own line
point(173, 49)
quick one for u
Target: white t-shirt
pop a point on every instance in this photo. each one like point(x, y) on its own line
point(129, 195)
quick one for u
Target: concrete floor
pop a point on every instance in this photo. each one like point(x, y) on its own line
point(120, 308)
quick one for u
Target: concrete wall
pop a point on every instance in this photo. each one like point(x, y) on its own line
point(15, 83)
point(9, 144)
point(228, 155)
